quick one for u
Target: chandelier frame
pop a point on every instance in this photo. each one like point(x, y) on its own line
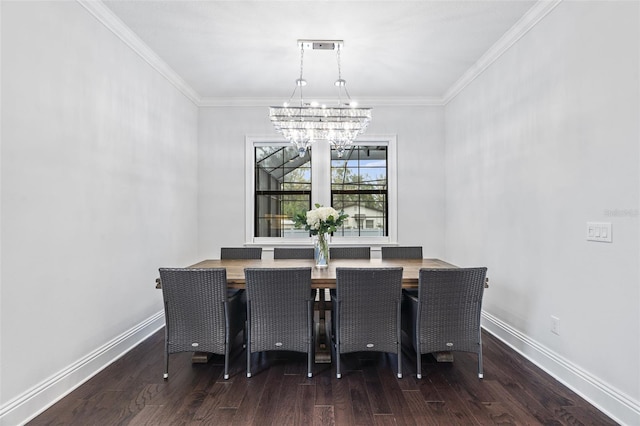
point(308, 122)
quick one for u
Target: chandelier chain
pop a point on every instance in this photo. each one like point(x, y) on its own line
point(339, 82)
point(301, 60)
point(301, 80)
point(301, 72)
point(338, 59)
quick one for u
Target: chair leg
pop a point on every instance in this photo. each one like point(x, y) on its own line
point(244, 335)
point(399, 338)
point(338, 375)
point(399, 352)
point(248, 361)
point(227, 339)
point(480, 369)
point(248, 337)
point(226, 362)
point(310, 343)
point(337, 337)
point(166, 365)
point(418, 347)
point(166, 352)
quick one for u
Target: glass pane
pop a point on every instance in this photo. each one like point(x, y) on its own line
point(274, 213)
point(266, 151)
point(268, 158)
point(300, 176)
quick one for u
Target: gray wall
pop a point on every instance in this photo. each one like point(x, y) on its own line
point(99, 188)
point(543, 141)
point(221, 156)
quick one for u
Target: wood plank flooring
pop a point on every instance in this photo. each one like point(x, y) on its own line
point(132, 392)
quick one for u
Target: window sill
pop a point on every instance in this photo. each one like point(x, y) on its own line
point(269, 243)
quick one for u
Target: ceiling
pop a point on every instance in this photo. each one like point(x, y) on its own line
point(248, 49)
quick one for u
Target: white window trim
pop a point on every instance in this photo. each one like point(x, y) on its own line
point(321, 170)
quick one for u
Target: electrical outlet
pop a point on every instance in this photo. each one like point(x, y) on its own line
point(555, 325)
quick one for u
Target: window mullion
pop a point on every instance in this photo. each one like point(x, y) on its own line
point(321, 173)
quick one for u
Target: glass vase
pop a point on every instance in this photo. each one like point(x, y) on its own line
point(321, 250)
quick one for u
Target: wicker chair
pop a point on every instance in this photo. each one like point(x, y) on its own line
point(402, 252)
point(241, 253)
point(199, 316)
point(366, 312)
point(293, 253)
point(279, 312)
point(446, 314)
point(350, 252)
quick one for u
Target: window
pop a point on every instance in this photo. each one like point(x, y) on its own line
point(283, 187)
point(362, 183)
point(359, 187)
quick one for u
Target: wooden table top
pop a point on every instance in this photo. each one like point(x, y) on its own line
point(323, 277)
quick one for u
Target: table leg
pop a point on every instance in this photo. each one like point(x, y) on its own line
point(444, 356)
point(322, 343)
point(200, 357)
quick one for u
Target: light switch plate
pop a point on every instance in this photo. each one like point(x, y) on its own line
point(599, 231)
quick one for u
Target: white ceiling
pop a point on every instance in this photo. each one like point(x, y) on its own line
point(248, 50)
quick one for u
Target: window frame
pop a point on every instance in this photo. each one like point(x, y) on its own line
point(321, 189)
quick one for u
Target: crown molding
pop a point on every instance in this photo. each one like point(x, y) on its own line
point(103, 14)
point(364, 102)
point(515, 33)
point(403, 101)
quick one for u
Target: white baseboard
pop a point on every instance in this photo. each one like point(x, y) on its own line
point(615, 404)
point(28, 405)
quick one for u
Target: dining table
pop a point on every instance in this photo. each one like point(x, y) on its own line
point(322, 278)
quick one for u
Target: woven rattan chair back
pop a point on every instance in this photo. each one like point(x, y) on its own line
point(350, 252)
point(199, 316)
point(402, 252)
point(366, 307)
point(279, 312)
point(241, 253)
point(293, 253)
point(446, 314)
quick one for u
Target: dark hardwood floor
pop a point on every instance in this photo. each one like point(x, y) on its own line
point(132, 392)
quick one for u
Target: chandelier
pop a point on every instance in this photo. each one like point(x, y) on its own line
point(306, 122)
